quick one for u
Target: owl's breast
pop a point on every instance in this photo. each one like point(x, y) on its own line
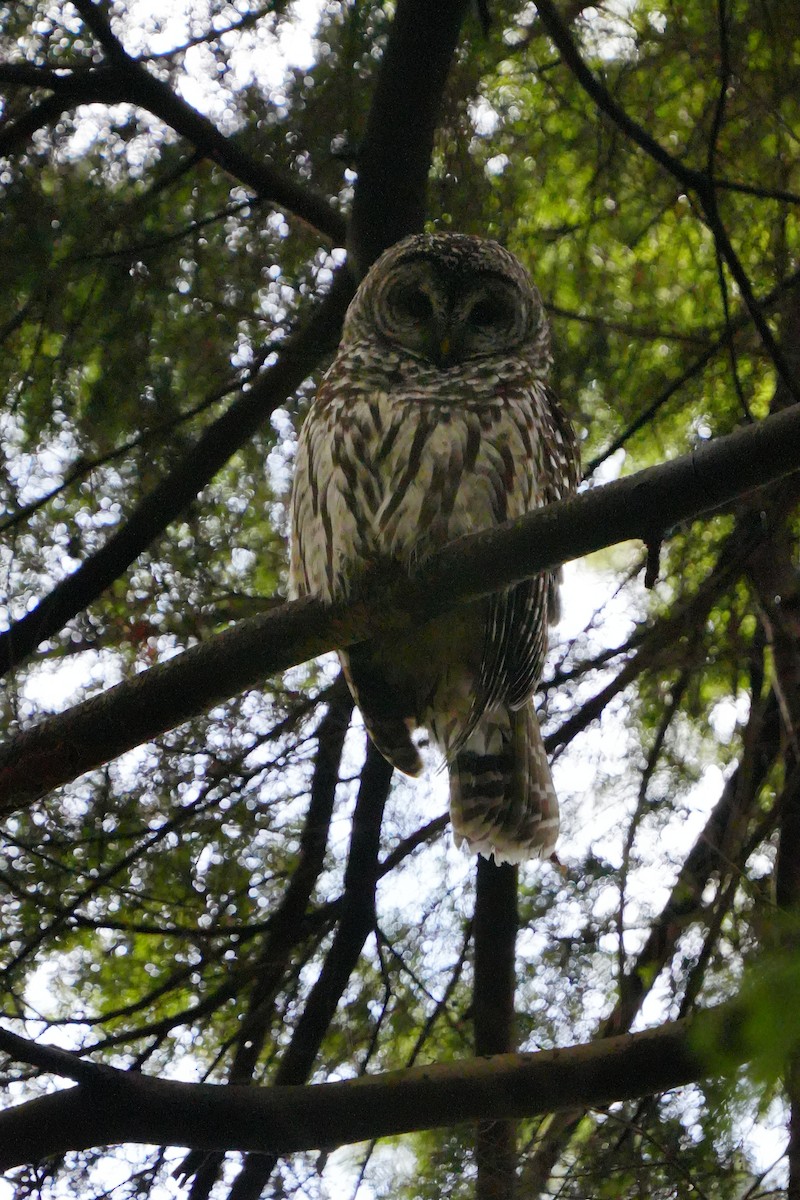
point(447, 469)
point(393, 465)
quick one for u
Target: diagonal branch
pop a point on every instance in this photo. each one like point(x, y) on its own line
point(725, 340)
point(126, 81)
point(356, 923)
point(357, 918)
point(287, 921)
point(167, 500)
point(725, 839)
point(701, 183)
point(646, 505)
point(114, 1106)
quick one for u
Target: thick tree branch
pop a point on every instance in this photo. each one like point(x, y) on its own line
point(96, 19)
point(395, 156)
point(495, 936)
point(646, 505)
point(113, 1106)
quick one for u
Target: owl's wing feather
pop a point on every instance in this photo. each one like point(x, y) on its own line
point(516, 628)
point(528, 618)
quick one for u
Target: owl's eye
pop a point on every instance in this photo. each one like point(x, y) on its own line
point(485, 312)
point(414, 304)
point(490, 312)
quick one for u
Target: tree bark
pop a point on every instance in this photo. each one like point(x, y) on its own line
point(495, 934)
point(110, 1106)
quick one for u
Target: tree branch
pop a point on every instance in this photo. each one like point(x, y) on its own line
point(495, 936)
point(115, 1106)
point(395, 156)
point(168, 499)
point(356, 923)
point(125, 81)
point(719, 844)
point(725, 340)
point(286, 925)
point(646, 505)
point(700, 182)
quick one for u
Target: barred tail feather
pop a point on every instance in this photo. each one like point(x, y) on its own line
point(502, 799)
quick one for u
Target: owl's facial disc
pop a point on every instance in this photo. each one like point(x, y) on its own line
point(446, 318)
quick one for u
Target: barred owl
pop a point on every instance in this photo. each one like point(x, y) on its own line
point(434, 421)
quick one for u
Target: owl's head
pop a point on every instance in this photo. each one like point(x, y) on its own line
point(449, 298)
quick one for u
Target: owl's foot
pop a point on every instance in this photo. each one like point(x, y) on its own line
point(393, 739)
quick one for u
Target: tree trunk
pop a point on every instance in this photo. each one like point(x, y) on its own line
point(493, 1015)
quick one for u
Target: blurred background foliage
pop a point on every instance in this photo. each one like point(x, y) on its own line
point(185, 909)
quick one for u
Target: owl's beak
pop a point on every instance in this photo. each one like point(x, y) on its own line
point(446, 345)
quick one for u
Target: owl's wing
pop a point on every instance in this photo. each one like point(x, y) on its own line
point(517, 619)
point(308, 550)
point(516, 642)
point(328, 535)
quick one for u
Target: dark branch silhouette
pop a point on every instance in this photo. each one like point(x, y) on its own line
point(395, 155)
point(717, 847)
point(356, 924)
point(493, 992)
point(712, 348)
point(646, 505)
point(697, 181)
point(124, 80)
point(110, 1106)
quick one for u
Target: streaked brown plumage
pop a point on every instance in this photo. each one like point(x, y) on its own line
point(434, 421)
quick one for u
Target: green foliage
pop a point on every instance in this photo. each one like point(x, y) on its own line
point(147, 909)
point(765, 1021)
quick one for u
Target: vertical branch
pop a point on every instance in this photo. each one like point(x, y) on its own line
point(781, 615)
point(284, 929)
point(775, 580)
point(286, 926)
point(493, 1015)
point(792, 1085)
point(713, 140)
point(395, 155)
point(356, 924)
point(788, 897)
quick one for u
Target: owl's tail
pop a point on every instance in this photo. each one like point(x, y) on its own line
point(502, 799)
